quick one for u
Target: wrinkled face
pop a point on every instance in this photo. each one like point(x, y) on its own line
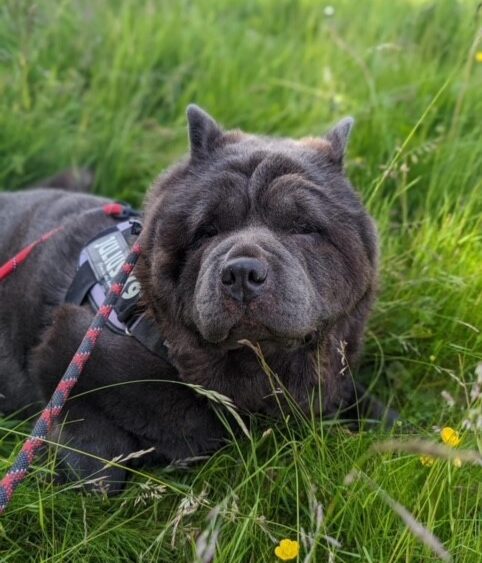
point(257, 239)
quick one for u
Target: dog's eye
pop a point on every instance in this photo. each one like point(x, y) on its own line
point(303, 229)
point(312, 233)
point(203, 233)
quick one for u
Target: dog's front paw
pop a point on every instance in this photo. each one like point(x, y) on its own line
point(89, 453)
point(89, 474)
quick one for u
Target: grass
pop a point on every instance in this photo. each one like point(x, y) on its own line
point(105, 84)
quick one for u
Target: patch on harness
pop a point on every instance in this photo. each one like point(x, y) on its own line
point(99, 262)
point(106, 256)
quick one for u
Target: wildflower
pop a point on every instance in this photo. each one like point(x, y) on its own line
point(478, 56)
point(287, 550)
point(427, 460)
point(450, 436)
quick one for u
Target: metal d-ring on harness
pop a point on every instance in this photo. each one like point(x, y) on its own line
point(18, 471)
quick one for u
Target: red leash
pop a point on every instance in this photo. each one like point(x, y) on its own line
point(12, 264)
point(109, 209)
point(18, 471)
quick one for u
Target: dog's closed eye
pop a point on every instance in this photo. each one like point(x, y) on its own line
point(202, 234)
point(305, 228)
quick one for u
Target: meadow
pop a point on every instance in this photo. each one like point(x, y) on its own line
point(104, 84)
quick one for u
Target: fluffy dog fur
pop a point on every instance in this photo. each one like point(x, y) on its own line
point(249, 237)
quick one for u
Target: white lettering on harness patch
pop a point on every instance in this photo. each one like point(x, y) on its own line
point(132, 288)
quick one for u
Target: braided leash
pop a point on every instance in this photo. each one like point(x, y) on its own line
point(116, 210)
point(18, 471)
point(9, 267)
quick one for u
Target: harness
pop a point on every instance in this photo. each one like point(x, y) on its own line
point(99, 263)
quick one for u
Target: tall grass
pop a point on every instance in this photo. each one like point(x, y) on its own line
point(105, 84)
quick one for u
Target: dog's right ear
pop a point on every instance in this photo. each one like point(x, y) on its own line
point(338, 138)
point(203, 131)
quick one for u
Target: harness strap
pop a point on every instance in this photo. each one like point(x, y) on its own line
point(145, 331)
point(83, 282)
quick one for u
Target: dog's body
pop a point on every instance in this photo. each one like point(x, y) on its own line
point(250, 238)
point(108, 422)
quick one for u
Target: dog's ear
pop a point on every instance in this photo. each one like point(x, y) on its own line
point(203, 131)
point(338, 138)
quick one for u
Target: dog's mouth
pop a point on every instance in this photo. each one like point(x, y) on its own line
point(268, 339)
point(226, 323)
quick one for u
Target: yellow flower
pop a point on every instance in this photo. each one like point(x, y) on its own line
point(450, 436)
point(427, 460)
point(478, 56)
point(287, 550)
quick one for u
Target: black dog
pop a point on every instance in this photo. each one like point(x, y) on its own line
point(249, 238)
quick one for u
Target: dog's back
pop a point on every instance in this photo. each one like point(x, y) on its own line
point(29, 295)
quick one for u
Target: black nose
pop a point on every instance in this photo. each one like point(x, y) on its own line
point(243, 278)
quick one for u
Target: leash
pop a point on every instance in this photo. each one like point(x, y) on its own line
point(11, 265)
point(18, 471)
point(116, 210)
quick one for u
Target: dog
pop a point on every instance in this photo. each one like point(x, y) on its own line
point(248, 239)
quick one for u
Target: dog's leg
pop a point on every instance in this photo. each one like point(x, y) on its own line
point(17, 394)
point(87, 442)
point(84, 425)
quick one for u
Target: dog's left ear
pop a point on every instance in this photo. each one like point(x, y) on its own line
point(203, 131)
point(338, 138)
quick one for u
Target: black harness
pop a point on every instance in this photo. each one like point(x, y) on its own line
point(99, 262)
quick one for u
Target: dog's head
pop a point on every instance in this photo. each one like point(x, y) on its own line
point(256, 238)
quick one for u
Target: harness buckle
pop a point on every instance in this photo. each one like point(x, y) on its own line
point(136, 227)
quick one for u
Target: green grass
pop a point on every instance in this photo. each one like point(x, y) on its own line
point(105, 84)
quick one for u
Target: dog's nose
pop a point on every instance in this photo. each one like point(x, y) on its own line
point(243, 278)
